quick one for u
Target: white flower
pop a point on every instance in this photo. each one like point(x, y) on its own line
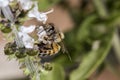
point(7, 13)
point(5, 9)
point(26, 4)
point(4, 3)
point(27, 40)
point(41, 16)
point(28, 29)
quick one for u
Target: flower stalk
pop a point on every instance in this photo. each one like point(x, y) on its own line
point(26, 48)
point(28, 62)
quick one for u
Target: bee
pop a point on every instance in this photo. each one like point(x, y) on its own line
point(52, 42)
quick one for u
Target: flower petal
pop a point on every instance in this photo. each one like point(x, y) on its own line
point(4, 3)
point(8, 13)
point(41, 16)
point(29, 29)
point(26, 4)
point(27, 40)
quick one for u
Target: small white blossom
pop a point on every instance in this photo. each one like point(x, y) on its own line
point(26, 4)
point(4, 3)
point(27, 40)
point(5, 9)
point(41, 16)
point(7, 13)
point(28, 29)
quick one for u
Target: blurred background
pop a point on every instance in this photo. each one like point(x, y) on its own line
point(92, 39)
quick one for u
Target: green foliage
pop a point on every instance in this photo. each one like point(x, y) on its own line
point(99, 25)
point(92, 60)
point(45, 4)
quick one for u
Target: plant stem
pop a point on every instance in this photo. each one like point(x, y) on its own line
point(116, 45)
point(28, 62)
point(101, 8)
point(17, 38)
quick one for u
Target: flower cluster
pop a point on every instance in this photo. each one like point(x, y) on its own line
point(27, 7)
point(29, 41)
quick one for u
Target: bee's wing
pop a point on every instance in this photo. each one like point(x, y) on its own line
point(64, 50)
point(63, 47)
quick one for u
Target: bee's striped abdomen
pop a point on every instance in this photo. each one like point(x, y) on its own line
point(50, 50)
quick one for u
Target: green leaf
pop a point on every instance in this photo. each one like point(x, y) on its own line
point(101, 8)
point(93, 59)
point(83, 31)
point(116, 45)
